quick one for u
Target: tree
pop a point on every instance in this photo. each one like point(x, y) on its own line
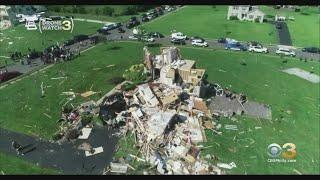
point(108, 11)
point(130, 10)
point(56, 9)
point(97, 11)
point(74, 10)
point(82, 10)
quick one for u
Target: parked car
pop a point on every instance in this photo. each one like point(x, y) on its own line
point(235, 47)
point(133, 18)
point(278, 25)
point(178, 41)
point(222, 40)
point(311, 50)
point(285, 51)
point(6, 76)
point(156, 35)
point(199, 42)
point(121, 30)
point(108, 27)
point(133, 37)
point(102, 31)
point(147, 39)
point(144, 18)
point(178, 35)
point(257, 48)
point(132, 24)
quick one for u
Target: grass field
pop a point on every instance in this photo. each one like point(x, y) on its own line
point(294, 102)
point(11, 165)
point(22, 39)
point(303, 24)
point(22, 106)
point(211, 22)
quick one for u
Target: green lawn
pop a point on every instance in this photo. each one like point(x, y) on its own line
point(210, 22)
point(304, 30)
point(10, 165)
point(22, 107)
point(22, 38)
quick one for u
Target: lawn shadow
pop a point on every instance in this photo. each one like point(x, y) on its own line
point(114, 48)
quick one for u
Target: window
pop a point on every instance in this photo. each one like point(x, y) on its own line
point(250, 16)
point(235, 7)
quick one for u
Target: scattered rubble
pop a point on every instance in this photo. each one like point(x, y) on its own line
point(94, 151)
point(166, 115)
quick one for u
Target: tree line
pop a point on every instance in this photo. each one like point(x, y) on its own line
point(104, 10)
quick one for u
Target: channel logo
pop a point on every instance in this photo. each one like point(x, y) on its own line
point(287, 152)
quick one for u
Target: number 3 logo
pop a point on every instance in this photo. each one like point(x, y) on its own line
point(66, 25)
point(290, 152)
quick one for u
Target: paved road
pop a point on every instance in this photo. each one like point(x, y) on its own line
point(213, 44)
point(65, 157)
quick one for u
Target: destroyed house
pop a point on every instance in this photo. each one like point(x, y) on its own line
point(171, 68)
point(144, 95)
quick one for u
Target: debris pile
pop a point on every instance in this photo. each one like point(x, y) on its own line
point(166, 116)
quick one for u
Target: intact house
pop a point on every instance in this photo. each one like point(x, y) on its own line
point(246, 12)
point(5, 22)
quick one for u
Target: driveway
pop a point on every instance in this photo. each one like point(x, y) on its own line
point(65, 157)
point(283, 34)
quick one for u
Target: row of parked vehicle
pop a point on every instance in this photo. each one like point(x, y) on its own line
point(180, 38)
point(232, 44)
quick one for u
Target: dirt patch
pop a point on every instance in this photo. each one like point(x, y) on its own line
point(303, 74)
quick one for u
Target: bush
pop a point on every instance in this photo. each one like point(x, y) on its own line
point(135, 73)
point(234, 18)
point(130, 10)
point(296, 10)
point(257, 20)
point(97, 11)
point(57, 136)
point(86, 119)
point(270, 16)
point(304, 13)
point(74, 10)
point(108, 11)
point(128, 86)
point(56, 9)
point(285, 61)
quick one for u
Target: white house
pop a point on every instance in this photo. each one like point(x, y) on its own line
point(245, 12)
point(4, 17)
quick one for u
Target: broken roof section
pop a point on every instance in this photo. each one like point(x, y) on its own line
point(158, 123)
point(146, 96)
